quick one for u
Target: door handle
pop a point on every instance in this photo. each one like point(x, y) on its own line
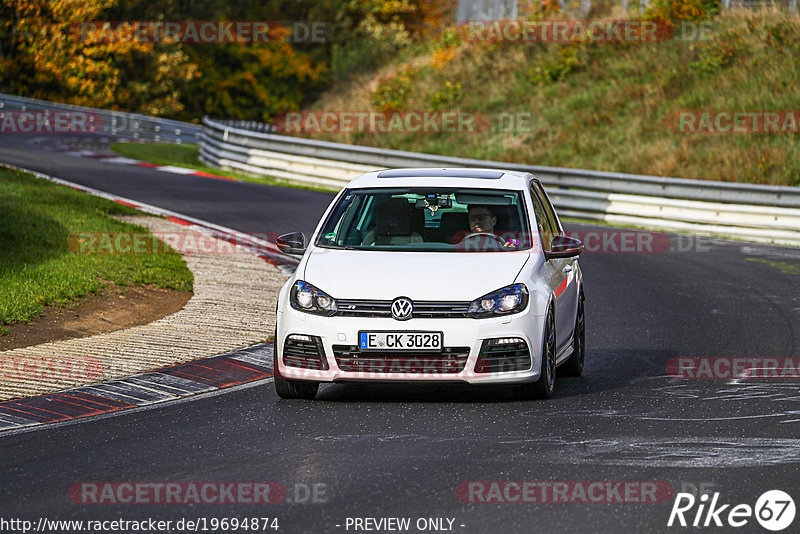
point(567, 268)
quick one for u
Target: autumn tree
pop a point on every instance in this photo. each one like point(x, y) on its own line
point(48, 50)
point(46, 53)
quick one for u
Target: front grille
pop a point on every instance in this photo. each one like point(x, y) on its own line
point(495, 357)
point(350, 359)
point(364, 308)
point(305, 352)
point(431, 309)
point(383, 308)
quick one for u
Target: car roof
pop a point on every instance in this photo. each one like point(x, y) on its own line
point(443, 177)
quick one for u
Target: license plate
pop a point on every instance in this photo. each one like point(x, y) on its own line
point(420, 341)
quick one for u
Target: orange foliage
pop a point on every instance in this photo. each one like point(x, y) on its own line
point(48, 56)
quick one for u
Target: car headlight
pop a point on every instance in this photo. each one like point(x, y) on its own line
point(307, 298)
point(504, 301)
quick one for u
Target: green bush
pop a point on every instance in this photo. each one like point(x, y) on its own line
point(392, 93)
point(449, 96)
point(555, 69)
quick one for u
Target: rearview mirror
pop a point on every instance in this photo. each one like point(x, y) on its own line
point(294, 243)
point(564, 246)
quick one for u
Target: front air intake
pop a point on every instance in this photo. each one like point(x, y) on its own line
point(502, 355)
point(304, 352)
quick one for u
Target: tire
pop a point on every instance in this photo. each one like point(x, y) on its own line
point(295, 389)
point(291, 389)
point(544, 386)
point(574, 364)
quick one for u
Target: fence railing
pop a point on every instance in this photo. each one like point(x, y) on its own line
point(116, 123)
point(761, 213)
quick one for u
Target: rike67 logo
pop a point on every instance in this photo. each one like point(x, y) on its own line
point(774, 510)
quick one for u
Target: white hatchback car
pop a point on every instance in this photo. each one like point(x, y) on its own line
point(460, 275)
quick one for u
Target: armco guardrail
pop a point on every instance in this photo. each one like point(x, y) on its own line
point(761, 213)
point(115, 123)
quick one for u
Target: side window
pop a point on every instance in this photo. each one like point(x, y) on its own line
point(548, 207)
point(542, 222)
point(355, 214)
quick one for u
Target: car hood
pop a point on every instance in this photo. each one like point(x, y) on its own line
point(378, 275)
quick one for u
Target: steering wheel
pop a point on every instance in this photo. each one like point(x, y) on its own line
point(484, 234)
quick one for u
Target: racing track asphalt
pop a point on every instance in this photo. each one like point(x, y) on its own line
point(402, 450)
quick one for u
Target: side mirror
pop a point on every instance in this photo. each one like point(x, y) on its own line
point(564, 246)
point(294, 243)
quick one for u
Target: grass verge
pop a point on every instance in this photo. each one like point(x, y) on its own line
point(37, 218)
point(188, 156)
point(608, 106)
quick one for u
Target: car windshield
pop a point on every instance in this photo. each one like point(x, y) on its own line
point(428, 219)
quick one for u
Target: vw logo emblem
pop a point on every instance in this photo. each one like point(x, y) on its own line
point(402, 308)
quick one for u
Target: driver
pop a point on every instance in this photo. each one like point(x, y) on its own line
point(482, 219)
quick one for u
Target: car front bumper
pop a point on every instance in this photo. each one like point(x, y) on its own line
point(462, 336)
